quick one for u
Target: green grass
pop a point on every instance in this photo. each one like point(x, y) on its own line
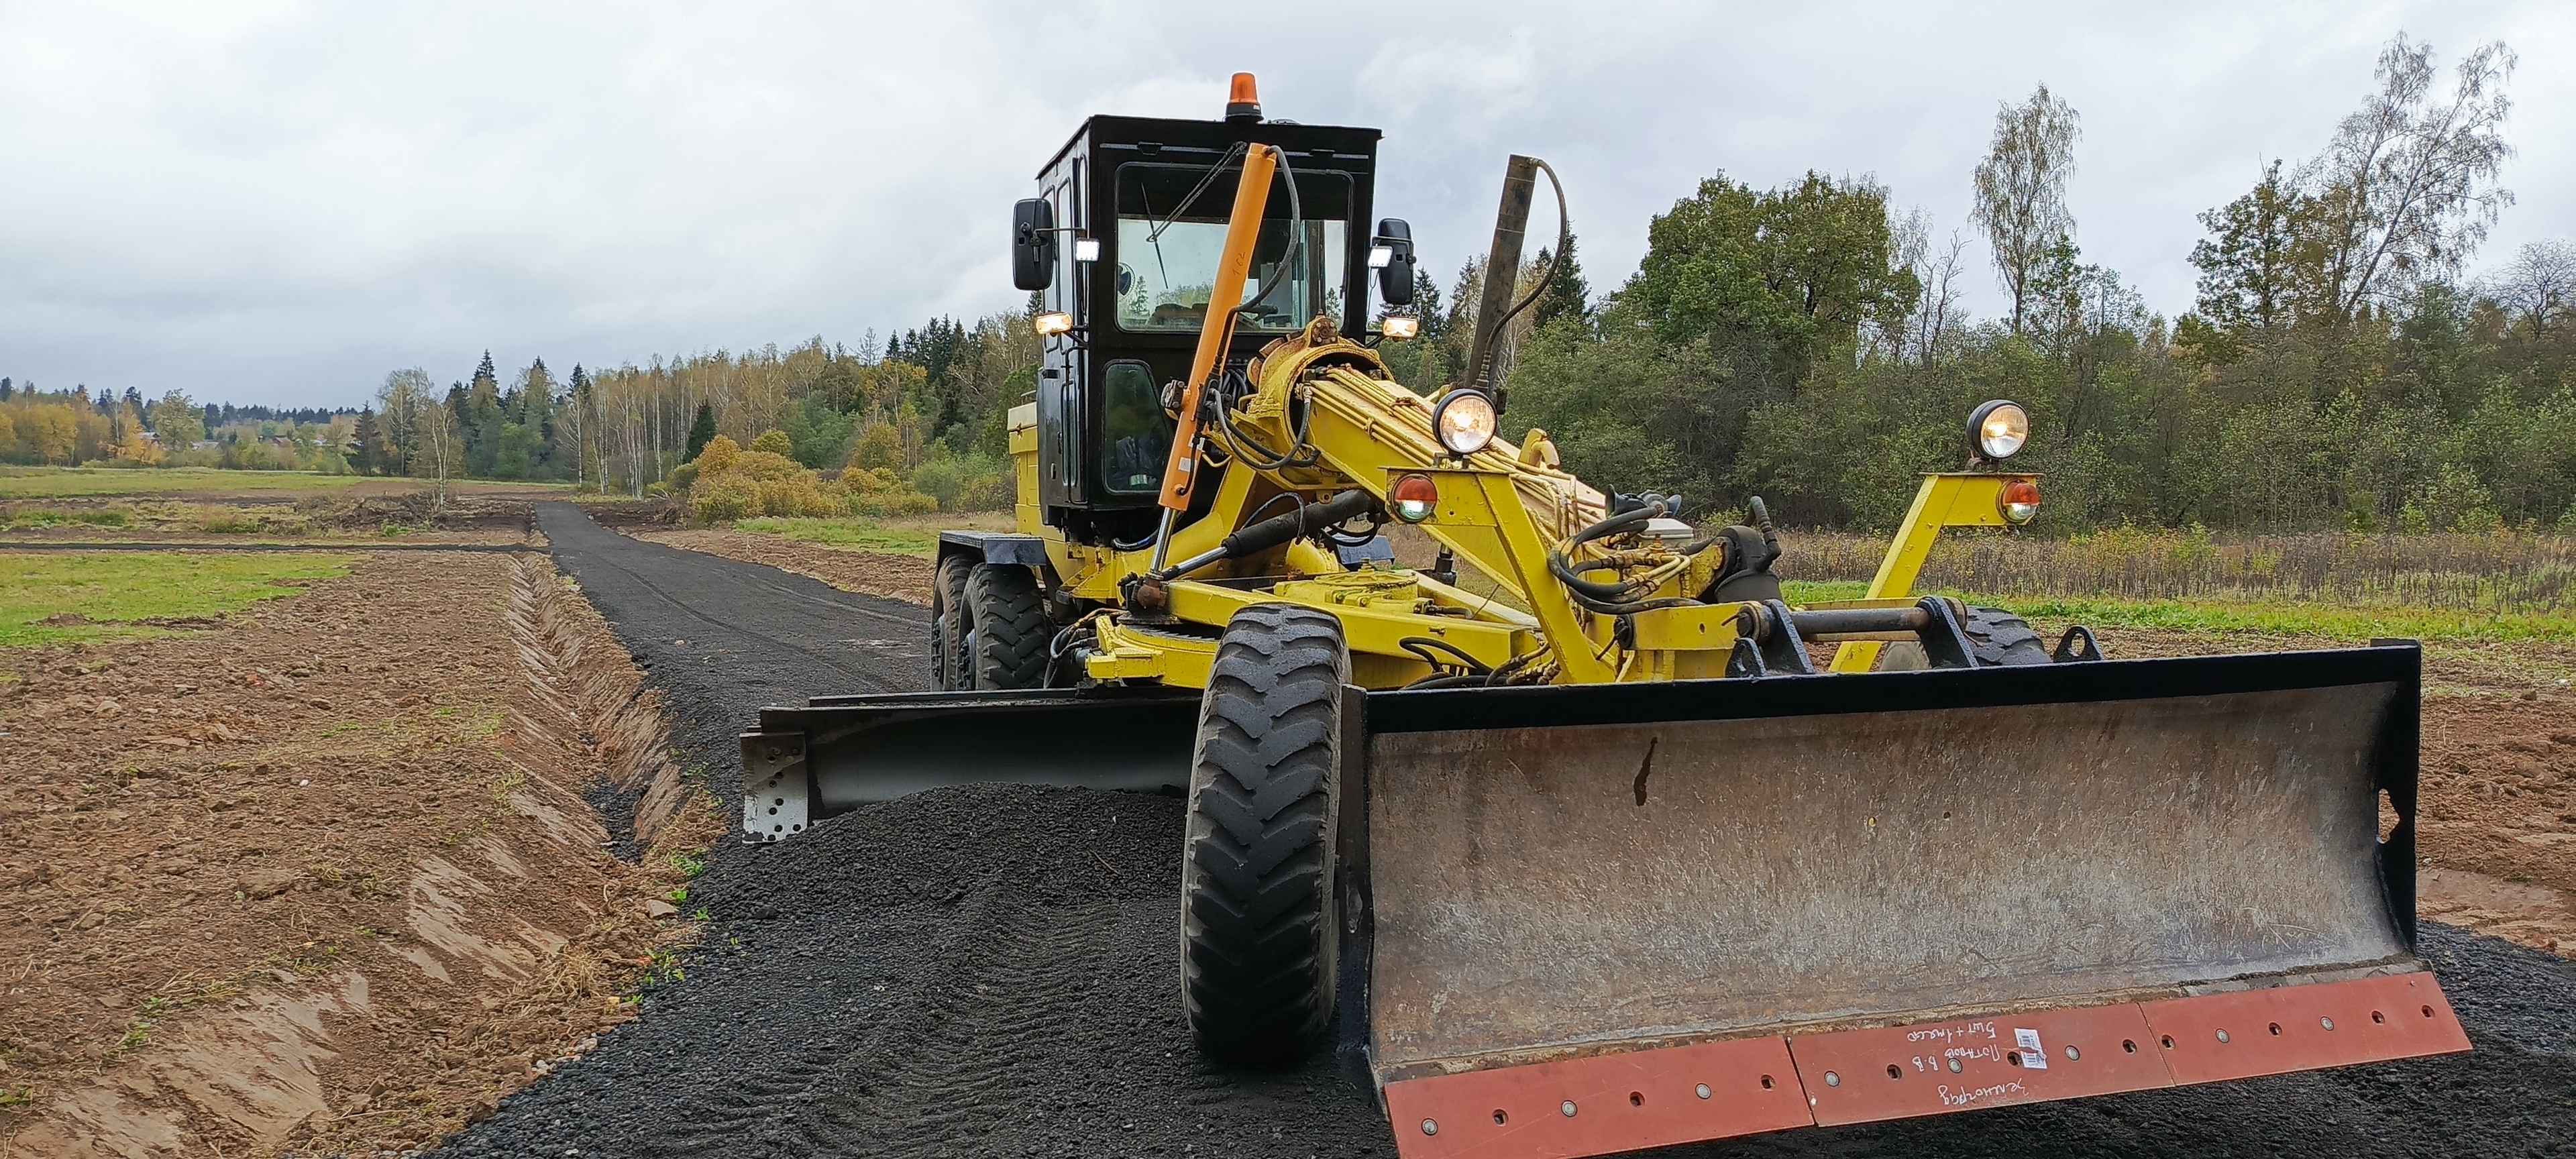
point(858, 533)
point(2274, 617)
point(56, 482)
point(117, 590)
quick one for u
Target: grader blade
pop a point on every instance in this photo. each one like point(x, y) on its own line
point(840, 752)
point(1615, 916)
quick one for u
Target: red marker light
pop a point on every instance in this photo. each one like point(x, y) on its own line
point(2019, 502)
point(1414, 497)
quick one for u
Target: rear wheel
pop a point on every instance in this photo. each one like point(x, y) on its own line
point(948, 624)
point(1007, 628)
point(1258, 932)
point(1999, 639)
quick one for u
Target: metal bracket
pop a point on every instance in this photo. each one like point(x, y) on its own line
point(775, 787)
point(1944, 644)
point(1782, 651)
point(1745, 660)
point(2077, 646)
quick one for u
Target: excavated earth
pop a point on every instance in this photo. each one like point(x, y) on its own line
point(992, 970)
point(326, 878)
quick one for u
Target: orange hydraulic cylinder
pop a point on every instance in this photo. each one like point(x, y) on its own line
point(1233, 266)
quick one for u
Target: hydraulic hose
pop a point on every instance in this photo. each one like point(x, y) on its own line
point(1307, 520)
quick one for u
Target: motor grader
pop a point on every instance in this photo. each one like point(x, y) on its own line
point(1582, 837)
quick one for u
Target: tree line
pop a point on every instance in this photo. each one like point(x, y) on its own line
point(2338, 368)
point(69, 427)
point(927, 404)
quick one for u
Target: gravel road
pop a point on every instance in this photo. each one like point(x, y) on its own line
point(992, 970)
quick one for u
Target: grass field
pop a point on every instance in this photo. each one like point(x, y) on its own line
point(2323, 618)
point(907, 535)
point(56, 598)
point(63, 482)
point(86, 482)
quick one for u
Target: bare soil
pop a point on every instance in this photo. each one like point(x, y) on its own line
point(326, 878)
point(360, 510)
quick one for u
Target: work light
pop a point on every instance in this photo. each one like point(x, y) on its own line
point(1086, 249)
point(1398, 327)
point(1052, 323)
point(1998, 430)
point(1465, 421)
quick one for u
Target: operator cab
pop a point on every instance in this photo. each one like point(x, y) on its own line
point(1121, 249)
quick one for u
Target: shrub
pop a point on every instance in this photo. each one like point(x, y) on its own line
point(683, 476)
point(718, 456)
point(731, 483)
point(878, 491)
point(878, 446)
point(769, 466)
point(775, 443)
point(977, 483)
point(724, 498)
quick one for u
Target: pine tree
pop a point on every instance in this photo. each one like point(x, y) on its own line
point(362, 457)
point(1567, 293)
point(701, 431)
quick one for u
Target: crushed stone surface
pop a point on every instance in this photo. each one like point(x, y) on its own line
point(993, 970)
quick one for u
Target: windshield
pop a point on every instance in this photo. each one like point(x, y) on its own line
point(1167, 250)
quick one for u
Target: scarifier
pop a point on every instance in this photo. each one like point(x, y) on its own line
point(1564, 840)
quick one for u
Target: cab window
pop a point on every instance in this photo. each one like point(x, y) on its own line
point(1171, 230)
point(1135, 434)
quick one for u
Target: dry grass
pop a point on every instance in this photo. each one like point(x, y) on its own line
point(2501, 574)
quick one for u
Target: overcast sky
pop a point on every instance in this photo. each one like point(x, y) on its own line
point(280, 202)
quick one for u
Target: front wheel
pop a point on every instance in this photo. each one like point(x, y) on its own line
point(1258, 932)
point(1999, 639)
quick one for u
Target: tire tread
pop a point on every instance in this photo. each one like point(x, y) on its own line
point(1258, 934)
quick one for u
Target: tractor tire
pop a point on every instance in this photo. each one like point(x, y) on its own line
point(2002, 639)
point(1999, 638)
point(1007, 628)
point(948, 625)
point(1258, 926)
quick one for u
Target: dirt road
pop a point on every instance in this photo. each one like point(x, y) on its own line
point(991, 971)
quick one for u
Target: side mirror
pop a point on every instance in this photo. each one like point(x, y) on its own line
point(1033, 244)
point(1395, 273)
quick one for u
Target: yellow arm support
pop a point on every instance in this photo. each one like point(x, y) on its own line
point(1233, 266)
point(1945, 500)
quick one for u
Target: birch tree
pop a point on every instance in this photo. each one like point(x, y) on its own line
point(2021, 191)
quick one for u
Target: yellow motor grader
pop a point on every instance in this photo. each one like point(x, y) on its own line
point(1582, 837)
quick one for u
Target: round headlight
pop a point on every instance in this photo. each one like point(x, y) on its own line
point(1998, 430)
point(1465, 421)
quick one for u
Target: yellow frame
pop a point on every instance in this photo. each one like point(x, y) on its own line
point(1956, 499)
point(1499, 511)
